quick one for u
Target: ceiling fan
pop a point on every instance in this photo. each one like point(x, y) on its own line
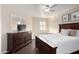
point(49, 7)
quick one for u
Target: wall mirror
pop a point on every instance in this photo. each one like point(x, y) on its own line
point(16, 20)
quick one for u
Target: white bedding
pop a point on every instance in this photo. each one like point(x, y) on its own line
point(64, 44)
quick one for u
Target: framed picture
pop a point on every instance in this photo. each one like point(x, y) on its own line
point(66, 18)
point(75, 16)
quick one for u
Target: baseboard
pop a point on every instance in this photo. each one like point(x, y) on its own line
point(76, 52)
point(0, 51)
point(8, 52)
point(4, 52)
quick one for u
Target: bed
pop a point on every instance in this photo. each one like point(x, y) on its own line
point(55, 43)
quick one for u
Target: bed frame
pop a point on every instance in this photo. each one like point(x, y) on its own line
point(69, 26)
point(44, 48)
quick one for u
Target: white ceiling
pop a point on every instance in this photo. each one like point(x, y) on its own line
point(60, 8)
point(35, 9)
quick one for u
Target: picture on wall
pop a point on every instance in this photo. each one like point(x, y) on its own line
point(66, 18)
point(75, 16)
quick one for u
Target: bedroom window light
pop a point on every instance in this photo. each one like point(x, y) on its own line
point(42, 25)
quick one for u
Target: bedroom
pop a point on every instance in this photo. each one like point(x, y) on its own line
point(35, 19)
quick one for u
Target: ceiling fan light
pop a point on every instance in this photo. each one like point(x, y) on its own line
point(47, 10)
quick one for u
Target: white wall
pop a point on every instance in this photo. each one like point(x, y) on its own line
point(53, 24)
point(0, 28)
point(57, 19)
point(6, 11)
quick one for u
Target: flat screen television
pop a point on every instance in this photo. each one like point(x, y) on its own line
point(21, 27)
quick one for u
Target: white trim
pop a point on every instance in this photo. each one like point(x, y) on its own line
point(3, 52)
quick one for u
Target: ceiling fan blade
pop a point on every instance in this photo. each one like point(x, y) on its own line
point(53, 5)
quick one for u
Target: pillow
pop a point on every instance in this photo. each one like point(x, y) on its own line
point(72, 33)
point(64, 32)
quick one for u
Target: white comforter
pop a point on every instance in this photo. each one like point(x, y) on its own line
point(65, 44)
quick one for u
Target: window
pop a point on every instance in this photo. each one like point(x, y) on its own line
point(42, 25)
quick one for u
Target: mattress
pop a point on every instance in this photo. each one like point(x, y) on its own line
point(64, 44)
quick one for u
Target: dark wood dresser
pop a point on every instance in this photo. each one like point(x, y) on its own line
point(18, 40)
